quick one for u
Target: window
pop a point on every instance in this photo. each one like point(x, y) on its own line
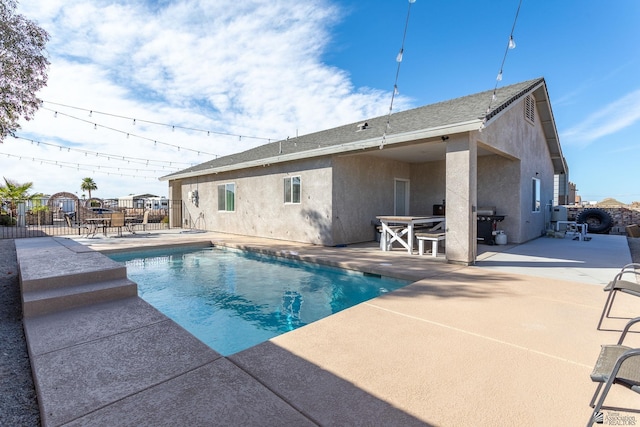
point(292, 189)
point(227, 197)
point(535, 200)
point(529, 108)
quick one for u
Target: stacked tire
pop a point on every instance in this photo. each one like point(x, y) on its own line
point(598, 221)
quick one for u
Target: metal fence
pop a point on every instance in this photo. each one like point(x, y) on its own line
point(61, 216)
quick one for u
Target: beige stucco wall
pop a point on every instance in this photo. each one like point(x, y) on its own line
point(515, 136)
point(428, 186)
point(499, 186)
point(461, 196)
point(259, 206)
point(363, 189)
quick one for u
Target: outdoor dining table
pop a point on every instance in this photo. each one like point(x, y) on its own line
point(401, 229)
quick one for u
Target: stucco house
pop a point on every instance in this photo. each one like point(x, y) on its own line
point(327, 187)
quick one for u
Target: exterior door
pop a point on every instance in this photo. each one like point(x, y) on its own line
point(401, 197)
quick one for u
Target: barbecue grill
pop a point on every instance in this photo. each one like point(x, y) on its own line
point(487, 224)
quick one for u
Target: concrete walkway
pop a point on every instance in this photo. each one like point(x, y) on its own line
point(510, 341)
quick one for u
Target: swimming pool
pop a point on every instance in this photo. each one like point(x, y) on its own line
point(232, 300)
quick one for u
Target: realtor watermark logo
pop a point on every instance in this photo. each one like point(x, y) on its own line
point(614, 419)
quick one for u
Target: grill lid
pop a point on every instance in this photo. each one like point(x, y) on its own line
point(487, 211)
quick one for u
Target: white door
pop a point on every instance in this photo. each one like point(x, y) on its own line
point(401, 199)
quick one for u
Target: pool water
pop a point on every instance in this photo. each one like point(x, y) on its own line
point(232, 300)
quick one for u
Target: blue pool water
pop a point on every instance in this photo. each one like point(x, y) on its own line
point(232, 300)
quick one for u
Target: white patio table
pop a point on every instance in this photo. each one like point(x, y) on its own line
point(401, 229)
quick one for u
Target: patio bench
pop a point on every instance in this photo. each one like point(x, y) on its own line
point(433, 237)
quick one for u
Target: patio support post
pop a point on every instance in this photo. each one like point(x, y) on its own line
point(461, 197)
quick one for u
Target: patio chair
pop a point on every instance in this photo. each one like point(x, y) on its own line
point(616, 364)
point(145, 221)
point(619, 285)
point(78, 227)
point(117, 221)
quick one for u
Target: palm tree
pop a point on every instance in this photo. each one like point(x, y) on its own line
point(12, 192)
point(87, 185)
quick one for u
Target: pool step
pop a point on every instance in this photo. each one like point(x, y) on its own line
point(44, 272)
point(46, 301)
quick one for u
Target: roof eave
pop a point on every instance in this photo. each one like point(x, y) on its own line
point(543, 106)
point(392, 139)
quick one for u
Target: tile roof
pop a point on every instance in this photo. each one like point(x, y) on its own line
point(458, 110)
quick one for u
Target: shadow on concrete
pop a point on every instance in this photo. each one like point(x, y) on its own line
point(20, 232)
point(317, 393)
point(458, 285)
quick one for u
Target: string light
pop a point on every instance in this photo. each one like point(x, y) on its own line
point(137, 160)
point(173, 127)
point(395, 83)
point(95, 126)
point(78, 166)
point(510, 45)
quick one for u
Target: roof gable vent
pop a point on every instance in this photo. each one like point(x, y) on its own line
point(529, 108)
point(362, 126)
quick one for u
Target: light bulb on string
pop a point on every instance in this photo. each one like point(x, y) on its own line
point(400, 54)
point(499, 78)
point(512, 43)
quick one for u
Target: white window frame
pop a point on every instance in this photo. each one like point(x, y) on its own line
point(226, 188)
point(536, 198)
point(289, 190)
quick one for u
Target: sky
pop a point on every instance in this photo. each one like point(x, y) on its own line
point(141, 89)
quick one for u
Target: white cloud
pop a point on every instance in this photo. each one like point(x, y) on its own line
point(250, 68)
point(614, 117)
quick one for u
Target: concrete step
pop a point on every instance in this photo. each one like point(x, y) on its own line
point(46, 301)
point(43, 274)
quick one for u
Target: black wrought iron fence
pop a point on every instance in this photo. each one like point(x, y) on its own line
point(60, 216)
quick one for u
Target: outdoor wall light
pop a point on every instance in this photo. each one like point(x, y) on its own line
point(444, 137)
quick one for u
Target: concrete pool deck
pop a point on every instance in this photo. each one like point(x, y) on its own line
point(510, 341)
